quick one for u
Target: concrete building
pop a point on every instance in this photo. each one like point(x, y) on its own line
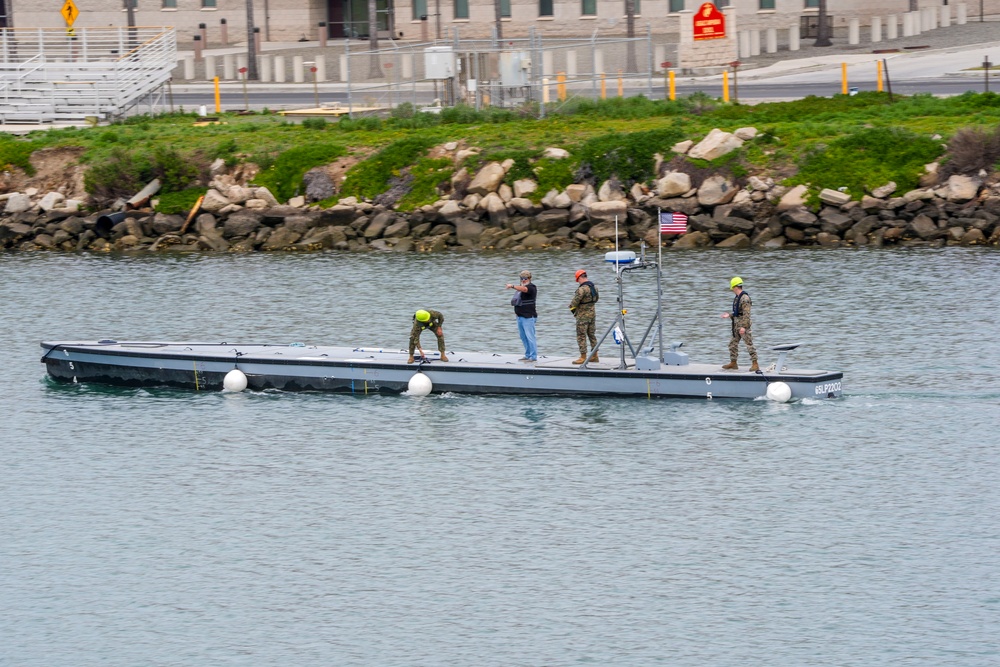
point(419, 20)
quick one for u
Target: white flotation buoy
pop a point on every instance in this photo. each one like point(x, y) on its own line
point(419, 385)
point(779, 392)
point(235, 380)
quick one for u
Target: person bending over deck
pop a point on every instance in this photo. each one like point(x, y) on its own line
point(741, 327)
point(427, 319)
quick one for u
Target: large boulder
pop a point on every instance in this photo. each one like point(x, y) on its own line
point(280, 238)
point(524, 186)
point(607, 211)
point(961, 189)
point(834, 197)
point(468, 231)
point(238, 224)
point(716, 144)
point(51, 200)
point(716, 190)
point(794, 198)
point(18, 203)
point(610, 191)
point(319, 185)
point(673, 184)
point(214, 201)
point(488, 179)
point(549, 221)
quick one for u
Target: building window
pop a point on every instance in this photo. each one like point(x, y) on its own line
point(169, 4)
point(125, 4)
point(461, 9)
point(767, 4)
point(637, 7)
point(505, 9)
point(812, 3)
point(676, 5)
point(545, 8)
point(589, 8)
point(208, 4)
point(722, 3)
point(419, 9)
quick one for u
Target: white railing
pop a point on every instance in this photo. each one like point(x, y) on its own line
point(100, 72)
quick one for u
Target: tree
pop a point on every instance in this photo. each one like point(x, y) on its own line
point(374, 62)
point(251, 45)
point(823, 30)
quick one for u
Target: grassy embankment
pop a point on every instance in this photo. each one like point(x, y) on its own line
point(858, 142)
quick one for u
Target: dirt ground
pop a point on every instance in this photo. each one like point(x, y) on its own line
point(56, 170)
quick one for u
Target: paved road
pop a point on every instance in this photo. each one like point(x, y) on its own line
point(747, 92)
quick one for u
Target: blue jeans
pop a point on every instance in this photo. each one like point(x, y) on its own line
point(526, 329)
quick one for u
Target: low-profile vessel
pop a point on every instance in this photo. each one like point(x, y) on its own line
point(644, 369)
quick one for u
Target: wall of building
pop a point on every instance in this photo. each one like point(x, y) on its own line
point(290, 20)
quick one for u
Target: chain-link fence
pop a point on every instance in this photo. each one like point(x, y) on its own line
point(532, 73)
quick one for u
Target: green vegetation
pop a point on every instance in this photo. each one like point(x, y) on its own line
point(284, 177)
point(853, 142)
point(869, 158)
point(179, 202)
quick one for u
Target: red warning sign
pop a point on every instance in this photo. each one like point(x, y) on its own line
point(709, 22)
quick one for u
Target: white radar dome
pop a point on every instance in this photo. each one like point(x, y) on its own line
point(419, 385)
point(779, 392)
point(235, 380)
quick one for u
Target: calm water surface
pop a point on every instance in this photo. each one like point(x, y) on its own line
point(161, 527)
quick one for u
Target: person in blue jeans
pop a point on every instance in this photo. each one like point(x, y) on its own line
point(524, 308)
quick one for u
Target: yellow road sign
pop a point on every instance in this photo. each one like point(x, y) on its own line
point(69, 12)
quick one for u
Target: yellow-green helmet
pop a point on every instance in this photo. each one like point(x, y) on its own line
point(422, 316)
point(735, 281)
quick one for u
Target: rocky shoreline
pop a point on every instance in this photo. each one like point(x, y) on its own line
point(483, 212)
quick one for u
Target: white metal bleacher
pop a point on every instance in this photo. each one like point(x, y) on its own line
point(50, 76)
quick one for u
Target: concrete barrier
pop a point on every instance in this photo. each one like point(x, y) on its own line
point(794, 39)
point(771, 42)
point(891, 27)
point(279, 69)
point(876, 29)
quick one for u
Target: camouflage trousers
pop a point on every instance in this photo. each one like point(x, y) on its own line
point(585, 329)
point(415, 338)
point(734, 345)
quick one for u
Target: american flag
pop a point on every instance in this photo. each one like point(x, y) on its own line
point(673, 223)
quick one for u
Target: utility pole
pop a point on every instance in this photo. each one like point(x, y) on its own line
point(630, 61)
point(823, 31)
point(252, 74)
point(498, 15)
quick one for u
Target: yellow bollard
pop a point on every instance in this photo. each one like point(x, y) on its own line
point(561, 86)
point(843, 77)
point(604, 87)
point(218, 101)
point(673, 87)
point(725, 86)
point(621, 85)
point(878, 70)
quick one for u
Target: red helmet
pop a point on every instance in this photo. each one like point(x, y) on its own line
point(579, 273)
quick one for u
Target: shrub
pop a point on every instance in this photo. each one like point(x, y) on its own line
point(284, 177)
point(314, 123)
point(175, 172)
point(972, 149)
point(121, 174)
point(428, 175)
point(628, 157)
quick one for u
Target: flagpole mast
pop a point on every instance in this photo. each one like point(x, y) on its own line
point(659, 277)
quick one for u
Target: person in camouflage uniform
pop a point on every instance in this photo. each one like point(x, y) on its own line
point(427, 319)
point(740, 320)
point(582, 307)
